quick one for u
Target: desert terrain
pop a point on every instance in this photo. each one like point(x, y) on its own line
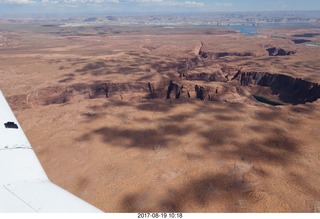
point(156, 119)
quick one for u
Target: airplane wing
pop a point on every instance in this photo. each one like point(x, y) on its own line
point(24, 185)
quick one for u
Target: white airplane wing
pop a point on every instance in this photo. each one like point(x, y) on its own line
point(24, 186)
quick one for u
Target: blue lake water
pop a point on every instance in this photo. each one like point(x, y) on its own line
point(246, 30)
point(253, 30)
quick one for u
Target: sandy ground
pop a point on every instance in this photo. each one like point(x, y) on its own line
point(128, 153)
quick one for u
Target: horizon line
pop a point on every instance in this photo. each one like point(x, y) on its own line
point(137, 14)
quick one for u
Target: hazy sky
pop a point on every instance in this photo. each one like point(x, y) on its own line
point(152, 6)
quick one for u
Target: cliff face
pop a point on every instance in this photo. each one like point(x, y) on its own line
point(289, 89)
point(214, 56)
point(176, 91)
point(279, 52)
point(207, 77)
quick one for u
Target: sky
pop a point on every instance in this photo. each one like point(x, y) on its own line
point(150, 6)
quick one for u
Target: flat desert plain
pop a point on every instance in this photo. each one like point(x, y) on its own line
point(154, 119)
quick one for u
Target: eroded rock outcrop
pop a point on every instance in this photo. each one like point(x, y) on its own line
point(184, 92)
point(176, 91)
point(207, 77)
point(308, 35)
point(215, 55)
point(288, 89)
point(198, 50)
point(203, 93)
point(274, 51)
point(152, 92)
point(210, 56)
point(224, 54)
point(203, 58)
point(173, 91)
point(300, 41)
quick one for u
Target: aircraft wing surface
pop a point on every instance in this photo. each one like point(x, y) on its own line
point(24, 185)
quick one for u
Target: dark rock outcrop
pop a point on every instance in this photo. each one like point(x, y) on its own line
point(274, 51)
point(207, 77)
point(216, 55)
point(176, 91)
point(212, 55)
point(106, 90)
point(308, 35)
point(300, 41)
point(202, 93)
point(289, 89)
point(224, 54)
point(152, 92)
point(173, 91)
point(237, 75)
point(200, 52)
